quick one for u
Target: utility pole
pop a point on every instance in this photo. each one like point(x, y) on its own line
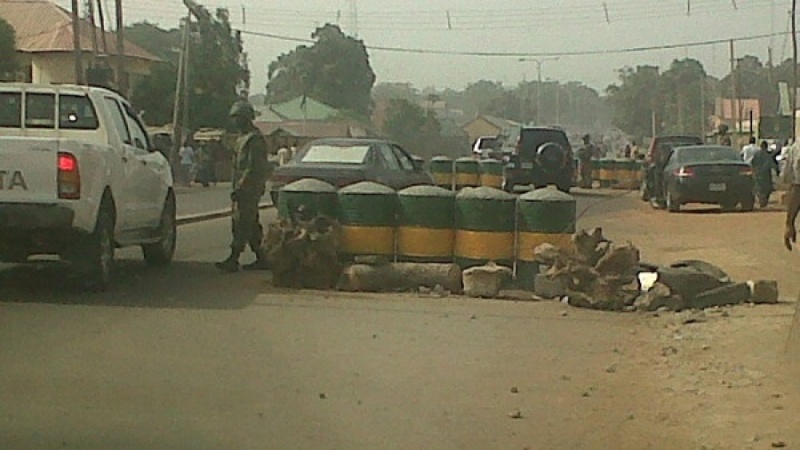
point(703, 108)
point(794, 70)
point(76, 42)
point(539, 62)
point(734, 99)
point(102, 26)
point(180, 91)
point(122, 79)
point(90, 12)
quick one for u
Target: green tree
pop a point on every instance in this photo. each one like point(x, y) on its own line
point(334, 70)
point(213, 88)
point(635, 99)
point(483, 96)
point(418, 130)
point(8, 52)
point(687, 108)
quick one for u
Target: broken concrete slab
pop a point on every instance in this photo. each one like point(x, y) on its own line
point(688, 283)
point(659, 296)
point(764, 292)
point(546, 288)
point(730, 294)
point(702, 267)
point(486, 281)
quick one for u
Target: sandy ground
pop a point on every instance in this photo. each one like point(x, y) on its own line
point(723, 378)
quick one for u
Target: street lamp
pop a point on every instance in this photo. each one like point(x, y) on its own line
point(539, 62)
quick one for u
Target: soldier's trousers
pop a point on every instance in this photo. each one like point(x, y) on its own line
point(585, 181)
point(246, 225)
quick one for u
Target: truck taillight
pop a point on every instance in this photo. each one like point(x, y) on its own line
point(69, 177)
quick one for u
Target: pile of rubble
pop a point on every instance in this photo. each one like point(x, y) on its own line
point(598, 274)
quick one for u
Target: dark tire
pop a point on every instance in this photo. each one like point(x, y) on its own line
point(273, 195)
point(508, 187)
point(672, 204)
point(748, 202)
point(96, 257)
point(162, 252)
point(564, 187)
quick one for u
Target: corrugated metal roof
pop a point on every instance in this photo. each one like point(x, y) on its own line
point(313, 129)
point(299, 109)
point(42, 26)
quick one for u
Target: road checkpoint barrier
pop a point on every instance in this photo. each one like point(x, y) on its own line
point(441, 169)
point(546, 216)
point(317, 198)
point(467, 173)
point(484, 227)
point(368, 217)
point(491, 173)
point(608, 172)
point(595, 170)
point(627, 174)
point(426, 225)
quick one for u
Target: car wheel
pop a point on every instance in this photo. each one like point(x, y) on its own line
point(673, 205)
point(162, 252)
point(96, 257)
point(508, 186)
point(748, 202)
point(564, 187)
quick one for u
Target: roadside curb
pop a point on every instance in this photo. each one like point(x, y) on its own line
point(212, 215)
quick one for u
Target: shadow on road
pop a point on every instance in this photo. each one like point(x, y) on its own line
point(182, 285)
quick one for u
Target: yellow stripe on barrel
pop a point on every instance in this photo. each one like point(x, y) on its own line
point(419, 242)
point(443, 179)
point(364, 240)
point(467, 179)
point(490, 180)
point(529, 241)
point(485, 245)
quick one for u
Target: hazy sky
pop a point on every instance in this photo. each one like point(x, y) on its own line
point(508, 26)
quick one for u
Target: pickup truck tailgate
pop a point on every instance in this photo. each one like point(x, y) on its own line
point(28, 170)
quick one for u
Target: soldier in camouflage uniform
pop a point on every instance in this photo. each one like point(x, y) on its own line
point(251, 169)
point(585, 163)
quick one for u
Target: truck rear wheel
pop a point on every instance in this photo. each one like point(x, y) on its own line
point(96, 258)
point(162, 252)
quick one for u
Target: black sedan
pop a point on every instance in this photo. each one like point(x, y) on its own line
point(345, 161)
point(709, 174)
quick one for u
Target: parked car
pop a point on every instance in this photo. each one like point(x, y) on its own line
point(79, 178)
point(486, 147)
point(657, 155)
point(709, 174)
point(542, 156)
point(345, 161)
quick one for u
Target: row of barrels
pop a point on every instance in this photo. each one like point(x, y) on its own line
point(618, 173)
point(434, 224)
point(466, 172)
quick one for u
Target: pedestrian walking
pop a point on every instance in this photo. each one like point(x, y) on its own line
point(251, 168)
point(749, 151)
point(790, 175)
point(186, 154)
point(762, 164)
point(585, 163)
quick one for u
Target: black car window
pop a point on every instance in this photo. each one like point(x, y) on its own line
point(405, 161)
point(706, 154)
point(388, 157)
point(76, 112)
point(10, 110)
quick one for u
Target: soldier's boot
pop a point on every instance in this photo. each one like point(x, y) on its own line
point(229, 265)
point(259, 264)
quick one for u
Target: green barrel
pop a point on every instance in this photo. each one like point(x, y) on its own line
point(608, 172)
point(545, 216)
point(485, 225)
point(491, 171)
point(368, 215)
point(627, 174)
point(315, 196)
point(441, 169)
point(467, 173)
point(426, 224)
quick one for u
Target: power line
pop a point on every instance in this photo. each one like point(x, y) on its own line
point(530, 54)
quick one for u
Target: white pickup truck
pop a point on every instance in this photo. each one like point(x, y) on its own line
point(79, 178)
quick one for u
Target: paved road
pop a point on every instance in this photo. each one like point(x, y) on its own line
point(186, 358)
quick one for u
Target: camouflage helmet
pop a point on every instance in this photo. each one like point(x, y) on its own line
point(243, 108)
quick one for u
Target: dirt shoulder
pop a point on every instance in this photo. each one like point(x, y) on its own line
point(725, 378)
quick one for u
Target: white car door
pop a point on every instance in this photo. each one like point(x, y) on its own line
point(129, 198)
point(155, 174)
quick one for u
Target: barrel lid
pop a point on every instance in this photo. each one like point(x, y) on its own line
point(484, 193)
point(467, 159)
point(426, 191)
point(441, 159)
point(490, 162)
point(546, 195)
point(367, 188)
point(309, 185)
